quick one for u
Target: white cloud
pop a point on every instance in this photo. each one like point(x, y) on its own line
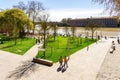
point(59, 14)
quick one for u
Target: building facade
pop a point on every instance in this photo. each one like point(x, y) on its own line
point(106, 22)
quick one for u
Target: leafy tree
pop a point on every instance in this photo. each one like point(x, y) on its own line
point(6, 26)
point(1, 20)
point(14, 21)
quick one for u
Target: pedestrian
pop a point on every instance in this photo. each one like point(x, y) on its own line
point(113, 45)
point(61, 61)
point(98, 37)
point(105, 37)
point(118, 40)
point(66, 62)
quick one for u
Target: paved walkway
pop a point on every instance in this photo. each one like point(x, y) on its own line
point(9, 61)
point(83, 65)
point(30, 54)
point(110, 68)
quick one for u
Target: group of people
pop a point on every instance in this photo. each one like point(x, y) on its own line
point(39, 39)
point(63, 62)
point(98, 37)
point(113, 43)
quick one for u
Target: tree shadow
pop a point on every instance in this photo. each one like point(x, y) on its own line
point(63, 70)
point(24, 70)
point(59, 69)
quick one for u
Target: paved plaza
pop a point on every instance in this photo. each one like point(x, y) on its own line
point(110, 68)
point(83, 65)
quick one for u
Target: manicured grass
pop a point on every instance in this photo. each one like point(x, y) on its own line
point(20, 48)
point(55, 49)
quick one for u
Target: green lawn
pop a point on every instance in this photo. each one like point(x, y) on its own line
point(55, 49)
point(20, 48)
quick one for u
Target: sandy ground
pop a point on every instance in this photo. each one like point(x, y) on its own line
point(110, 69)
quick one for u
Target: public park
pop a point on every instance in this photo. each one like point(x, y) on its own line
point(34, 45)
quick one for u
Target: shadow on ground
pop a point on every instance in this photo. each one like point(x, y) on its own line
point(2, 47)
point(24, 70)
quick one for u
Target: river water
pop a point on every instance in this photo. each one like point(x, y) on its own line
point(110, 32)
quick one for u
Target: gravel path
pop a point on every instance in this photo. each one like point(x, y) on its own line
point(110, 69)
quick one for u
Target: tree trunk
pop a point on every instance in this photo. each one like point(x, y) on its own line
point(44, 46)
point(80, 40)
point(54, 36)
point(92, 35)
point(15, 40)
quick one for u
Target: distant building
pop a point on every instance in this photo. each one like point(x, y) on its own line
point(107, 22)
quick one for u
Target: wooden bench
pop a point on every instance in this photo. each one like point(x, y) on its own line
point(43, 61)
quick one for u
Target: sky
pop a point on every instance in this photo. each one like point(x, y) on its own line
point(59, 9)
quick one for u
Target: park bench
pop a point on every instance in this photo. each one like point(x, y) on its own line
point(43, 61)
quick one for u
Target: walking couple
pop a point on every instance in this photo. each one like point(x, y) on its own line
point(63, 62)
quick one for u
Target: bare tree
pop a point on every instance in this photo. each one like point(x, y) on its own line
point(21, 5)
point(73, 30)
point(110, 5)
point(43, 20)
point(32, 9)
point(54, 28)
point(66, 30)
point(101, 28)
point(92, 26)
